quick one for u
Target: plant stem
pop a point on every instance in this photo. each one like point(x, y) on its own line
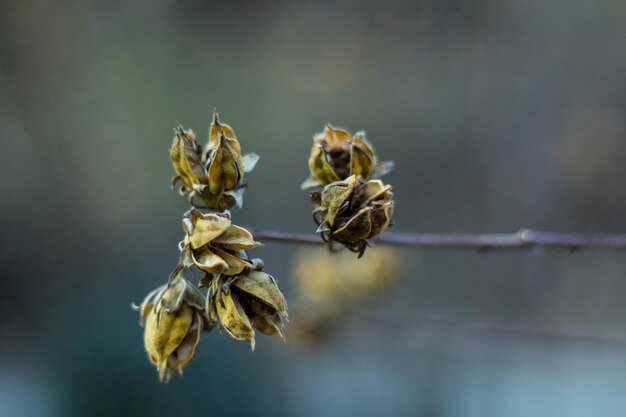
point(523, 239)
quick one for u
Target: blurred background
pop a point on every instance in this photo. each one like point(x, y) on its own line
point(498, 114)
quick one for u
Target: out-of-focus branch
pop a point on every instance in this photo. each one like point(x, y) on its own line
point(523, 239)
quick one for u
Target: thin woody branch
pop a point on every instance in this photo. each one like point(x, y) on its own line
point(523, 239)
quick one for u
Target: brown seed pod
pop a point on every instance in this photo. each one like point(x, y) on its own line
point(240, 304)
point(352, 211)
point(173, 318)
point(214, 178)
point(215, 245)
point(336, 155)
point(330, 284)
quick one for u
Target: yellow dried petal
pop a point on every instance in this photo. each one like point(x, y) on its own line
point(147, 303)
point(185, 159)
point(218, 129)
point(185, 352)
point(334, 135)
point(320, 168)
point(381, 218)
point(208, 261)
point(360, 162)
point(225, 170)
point(233, 318)
point(266, 321)
point(334, 196)
point(204, 229)
point(181, 291)
point(205, 199)
point(236, 238)
point(357, 228)
point(150, 335)
point(362, 143)
point(211, 308)
point(262, 287)
point(236, 265)
point(171, 330)
point(373, 190)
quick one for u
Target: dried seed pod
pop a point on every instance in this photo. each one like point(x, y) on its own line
point(214, 177)
point(352, 211)
point(240, 304)
point(215, 245)
point(336, 155)
point(187, 159)
point(331, 280)
point(328, 284)
point(173, 318)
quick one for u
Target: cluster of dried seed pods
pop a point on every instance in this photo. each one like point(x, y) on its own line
point(349, 206)
point(234, 293)
point(239, 297)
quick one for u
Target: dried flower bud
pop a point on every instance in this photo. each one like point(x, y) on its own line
point(326, 278)
point(352, 211)
point(215, 176)
point(242, 303)
point(214, 244)
point(187, 159)
point(172, 316)
point(336, 155)
point(330, 283)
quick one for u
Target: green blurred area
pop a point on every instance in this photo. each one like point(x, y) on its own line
point(498, 115)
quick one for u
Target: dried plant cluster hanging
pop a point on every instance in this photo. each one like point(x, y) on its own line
point(239, 297)
point(349, 206)
point(234, 293)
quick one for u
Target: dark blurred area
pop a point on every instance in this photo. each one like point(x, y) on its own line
point(498, 114)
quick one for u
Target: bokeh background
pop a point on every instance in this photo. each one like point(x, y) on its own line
point(499, 115)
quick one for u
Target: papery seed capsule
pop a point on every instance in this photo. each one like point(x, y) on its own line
point(187, 159)
point(214, 178)
point(173, 318)
point(215, 245)
point(243, 303)
point(353, 211)
point(328, 284)
point(336, 155)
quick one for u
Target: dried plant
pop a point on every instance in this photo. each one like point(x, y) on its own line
point(330, 284)
point(240, 297)
point(350, 208)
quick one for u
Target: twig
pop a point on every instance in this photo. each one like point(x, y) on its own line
point(524, 239)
